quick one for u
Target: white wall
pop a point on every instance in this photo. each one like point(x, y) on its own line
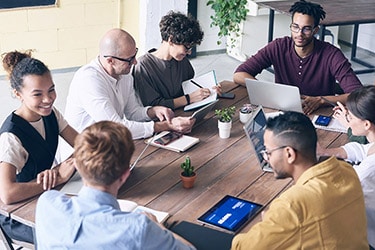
point(151, 12)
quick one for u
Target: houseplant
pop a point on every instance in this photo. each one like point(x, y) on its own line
point(228, 17)
point(188, 175)
point(225, 116)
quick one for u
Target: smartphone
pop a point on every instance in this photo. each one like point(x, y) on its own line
point(323, 120)
point(227, 95)
point(167, 138)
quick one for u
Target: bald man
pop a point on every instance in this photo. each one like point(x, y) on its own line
point(103, 90)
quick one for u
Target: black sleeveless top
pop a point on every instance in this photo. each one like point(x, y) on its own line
point(41, 151)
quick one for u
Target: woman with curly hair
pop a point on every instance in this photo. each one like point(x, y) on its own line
point(159, 73)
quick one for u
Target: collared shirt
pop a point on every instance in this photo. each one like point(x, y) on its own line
point(365, 168)
point(95, 96)
point(314, 75)
point(323, 210)
point(93, 220)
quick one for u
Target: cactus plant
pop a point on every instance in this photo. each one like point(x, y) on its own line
point(188, 169)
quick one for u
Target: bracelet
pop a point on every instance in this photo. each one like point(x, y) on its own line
point(187, 99)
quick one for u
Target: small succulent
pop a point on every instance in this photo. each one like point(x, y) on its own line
point(188, 169)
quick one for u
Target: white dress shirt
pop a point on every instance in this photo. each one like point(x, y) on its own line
point(95, 96)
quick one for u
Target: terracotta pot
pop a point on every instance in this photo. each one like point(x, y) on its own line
point(188, 182)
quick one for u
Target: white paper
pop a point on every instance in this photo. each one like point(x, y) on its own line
point(334, 125)
point(207, 80)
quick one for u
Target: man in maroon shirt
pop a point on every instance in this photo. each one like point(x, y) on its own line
point(302, 60)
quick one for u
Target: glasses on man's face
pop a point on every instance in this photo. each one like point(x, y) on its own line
point(267, 153)
point(187, 48)
point(129, 60)
point(307, 30)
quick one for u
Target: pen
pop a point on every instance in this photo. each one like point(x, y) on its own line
point(328, 101)
point(196, 84)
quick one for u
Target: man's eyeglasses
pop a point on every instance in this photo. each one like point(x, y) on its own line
point(187, 49)
point(307, 30)
point(129, 60)
point(266, 154)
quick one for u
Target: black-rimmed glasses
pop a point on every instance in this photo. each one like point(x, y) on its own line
point(187, 49)
point(307, 30)
point(267, 153)
point(129, 60)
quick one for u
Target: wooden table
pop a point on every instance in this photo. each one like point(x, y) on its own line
point(224, 166)
point(338, 12)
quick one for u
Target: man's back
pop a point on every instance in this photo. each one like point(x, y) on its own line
point(323, 210)
point(93, 221)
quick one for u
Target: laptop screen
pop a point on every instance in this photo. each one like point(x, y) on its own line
point(254, 130)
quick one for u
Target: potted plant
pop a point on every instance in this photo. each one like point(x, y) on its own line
point(228, 17)
point(188, 175)
point(225, 116)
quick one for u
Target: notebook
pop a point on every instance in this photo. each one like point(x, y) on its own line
point(203, 238)
point(254, 130)
point(274, 95)
point(207, 80)
point(172, 141)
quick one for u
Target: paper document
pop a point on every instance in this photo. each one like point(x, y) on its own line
point(207, 80)
point(334, 125)
point(131, 206)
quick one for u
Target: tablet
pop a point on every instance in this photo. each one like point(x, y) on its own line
point(231, 213)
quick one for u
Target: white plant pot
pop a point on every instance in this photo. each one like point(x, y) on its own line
point(224, 129)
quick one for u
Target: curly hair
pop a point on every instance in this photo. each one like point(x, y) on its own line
point(20, 64)
point(103, 151)
point(180, 29)
point(308, 8)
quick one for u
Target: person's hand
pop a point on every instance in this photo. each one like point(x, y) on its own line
point(182, 124)
point(199, 95)
point(160, 112)
point(310, 103)
point(48, 178)
point(340, 113)
point(217, 88)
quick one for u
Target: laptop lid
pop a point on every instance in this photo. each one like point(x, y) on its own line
point(274, 95)
point(254, 130)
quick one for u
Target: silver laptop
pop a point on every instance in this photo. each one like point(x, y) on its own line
point(254, 130)
point(274, 95)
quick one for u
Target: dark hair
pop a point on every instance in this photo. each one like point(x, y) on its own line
point(361, 103)
point(295, 130)
point(181, 29)
point(18, 65)
point(308, 8)
point(103, 151)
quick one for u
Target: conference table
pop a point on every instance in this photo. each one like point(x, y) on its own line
point(338, 12)
point(224, 167)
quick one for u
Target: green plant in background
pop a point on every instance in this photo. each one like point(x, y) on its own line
point(188, 169)
point(225, 114)
point(228, 16)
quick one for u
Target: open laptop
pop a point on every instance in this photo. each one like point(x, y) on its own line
point(201, 113)
point(274, 95)
point(254, 130)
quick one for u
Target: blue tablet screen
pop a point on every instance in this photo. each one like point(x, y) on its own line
point(231, 213)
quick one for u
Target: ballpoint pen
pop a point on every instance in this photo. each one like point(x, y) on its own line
point(196, 84)
point(328, 101)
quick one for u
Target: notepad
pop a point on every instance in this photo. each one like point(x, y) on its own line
point(334, 125)
point(207, 80)
point(177, 144)
point(131, 206)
